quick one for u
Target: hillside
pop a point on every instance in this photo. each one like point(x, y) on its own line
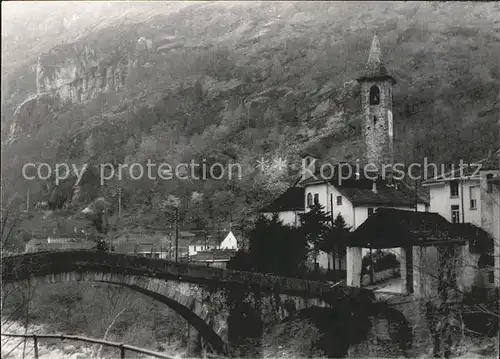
point(234, 82)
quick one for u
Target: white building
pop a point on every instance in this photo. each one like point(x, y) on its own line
point(471, 195)
point(230, 242)
point(289, 206)
point(209, 243)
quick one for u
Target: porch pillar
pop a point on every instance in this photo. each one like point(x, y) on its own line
point(402, 268)
point(417, 272)
point(407, 270)
point(354, 257)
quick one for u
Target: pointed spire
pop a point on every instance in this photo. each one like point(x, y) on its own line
point(375, 67)
point(375, 53)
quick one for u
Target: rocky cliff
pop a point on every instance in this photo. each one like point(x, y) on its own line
point(174, 82)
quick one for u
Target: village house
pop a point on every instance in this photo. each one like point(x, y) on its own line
point(152, 242)
point(218, 258)
point(46, 230)
point(212, 252)
point(471, 195)
point(58, 241)
point(354, 195)
point(208, 242)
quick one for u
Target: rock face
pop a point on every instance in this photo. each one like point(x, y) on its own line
point(77, 73)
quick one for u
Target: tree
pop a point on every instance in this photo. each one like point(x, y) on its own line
point(98, 214)
point(453, 313)
point(335, 242)
point(314, 227)
point(273, 248)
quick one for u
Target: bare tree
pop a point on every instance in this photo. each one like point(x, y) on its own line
point(450, 302)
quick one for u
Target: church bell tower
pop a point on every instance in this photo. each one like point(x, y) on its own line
point(376, 101)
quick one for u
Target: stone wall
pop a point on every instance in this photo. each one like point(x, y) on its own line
point(380, 276)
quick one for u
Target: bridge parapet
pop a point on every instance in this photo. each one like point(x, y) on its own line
point(25, 266)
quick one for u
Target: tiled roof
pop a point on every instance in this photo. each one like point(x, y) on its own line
point(391, 228)
point(358, 187)
point(214, 255)
point(291, 200)
point(384, 196)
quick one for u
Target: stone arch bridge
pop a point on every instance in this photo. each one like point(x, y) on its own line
point(198, 293)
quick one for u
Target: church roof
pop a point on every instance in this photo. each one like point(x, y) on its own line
point(375, 68)
point(392, 228)
point(358, 187)
point(385, 195)
point(291, 200)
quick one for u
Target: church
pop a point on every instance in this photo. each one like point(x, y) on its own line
point(342, 188)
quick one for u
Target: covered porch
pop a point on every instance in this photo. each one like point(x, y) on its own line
point(417, 236)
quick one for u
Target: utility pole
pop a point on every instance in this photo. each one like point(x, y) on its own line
point(416, 195)
point(176, 234)
point(372, 270)
point(331, 219)
point(462, 198)
point(120, 203)
point(28, 200)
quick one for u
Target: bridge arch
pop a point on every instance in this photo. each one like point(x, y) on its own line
point(176, 295)
point(175, 283)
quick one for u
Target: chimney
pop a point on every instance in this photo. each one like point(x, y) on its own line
point(374, 187)
point(390, 180)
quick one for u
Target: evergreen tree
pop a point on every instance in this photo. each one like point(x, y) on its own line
point(274, 248)
point(314, 228)
point(337, 240)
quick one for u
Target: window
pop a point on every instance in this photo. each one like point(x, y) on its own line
point(455, 214)
point(454, 189)
point(374, 95)
point(473, 196)
point(309, 200)
point(308, 161)
point(316, 198)
point(371, 211)
point(491, 277)
point(489, 183)
point(374, 120)
point(339, 200)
